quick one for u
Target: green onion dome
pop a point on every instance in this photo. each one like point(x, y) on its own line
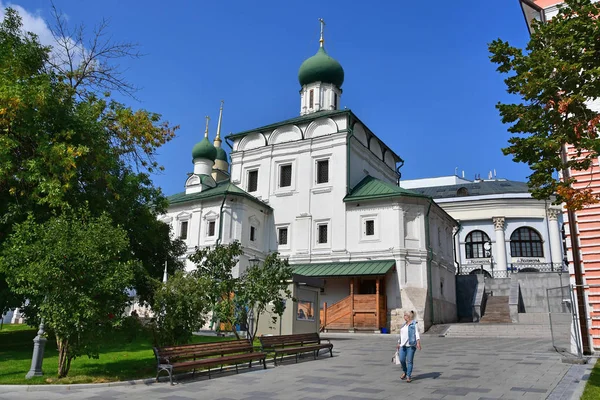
point(321, 68)
point(221, 155)
point(204, 149)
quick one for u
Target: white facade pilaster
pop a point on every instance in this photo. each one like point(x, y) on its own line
point(500, 255)
point(555, 239)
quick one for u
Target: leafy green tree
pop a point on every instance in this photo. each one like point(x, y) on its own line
point(74, 271)
point(555, 78)
point(215, 266)
point(63, 145)
point(180, 306)
point(263, 288)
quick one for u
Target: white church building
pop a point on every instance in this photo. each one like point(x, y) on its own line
point(322, 190)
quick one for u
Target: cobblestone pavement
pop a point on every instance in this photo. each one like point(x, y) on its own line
point(446, 368)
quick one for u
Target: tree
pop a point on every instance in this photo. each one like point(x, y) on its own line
point(61, 150)
point(263, 288)
point(214, 265)
point(180, 307)
point(556, 78)
point(74, 271)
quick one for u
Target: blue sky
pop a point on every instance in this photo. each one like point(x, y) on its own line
point(417, 73)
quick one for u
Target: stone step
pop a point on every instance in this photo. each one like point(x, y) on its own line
point(498, 330)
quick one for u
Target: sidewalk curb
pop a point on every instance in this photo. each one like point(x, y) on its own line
point(76, 386)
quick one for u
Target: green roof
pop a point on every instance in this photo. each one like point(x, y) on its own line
point(478, 188)
point(223, 188)
point(372, 188)
point(291, 121)
point(350, 268)
point(321, 68)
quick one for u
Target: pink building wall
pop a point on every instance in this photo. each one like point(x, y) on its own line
point(588, 223)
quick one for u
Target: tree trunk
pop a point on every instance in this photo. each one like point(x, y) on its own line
point(64, 358)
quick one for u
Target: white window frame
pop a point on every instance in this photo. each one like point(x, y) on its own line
point(248, 171)
point(181, 218)
point(284, 190)
point(363, 228)
point(316, 174)
point(254, 223)
point(319, 223)
point(208, 228)
point(287, 245)
point(211, 216)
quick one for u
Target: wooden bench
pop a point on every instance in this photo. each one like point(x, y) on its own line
point(294, 344)
point(205, 355)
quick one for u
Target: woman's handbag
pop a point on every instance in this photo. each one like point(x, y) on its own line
point(396, 358)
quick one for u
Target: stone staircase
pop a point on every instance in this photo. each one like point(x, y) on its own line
point(496, 311)
point(515, 331)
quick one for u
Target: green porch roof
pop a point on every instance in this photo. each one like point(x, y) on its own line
point(350, 268)
point(223, 188)
point(372, 188)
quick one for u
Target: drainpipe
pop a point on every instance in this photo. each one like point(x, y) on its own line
point(458, 228)
point(398, 170)
point(221, 218)
point(228, 144)
point(429, 258)
point(348, 138)
point(586, 343)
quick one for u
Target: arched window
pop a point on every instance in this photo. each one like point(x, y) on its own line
point(474, 244)
point(526, 242)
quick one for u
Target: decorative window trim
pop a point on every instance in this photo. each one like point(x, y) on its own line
point(254, 224)
point(520, 246)
point(185, 223)
point(287, 244)
point(316, 172)
point(277, 176)
point(363, 228)
point(247, 176)
point(475, 251)
point(181, 218)
point(214, 223)
point(318, 223)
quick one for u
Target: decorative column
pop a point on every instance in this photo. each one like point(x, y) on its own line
point(500, 243)
point(555, 240)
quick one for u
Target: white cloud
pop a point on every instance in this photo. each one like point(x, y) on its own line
point(32, 22)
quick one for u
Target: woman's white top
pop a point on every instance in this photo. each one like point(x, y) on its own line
point(403, 341)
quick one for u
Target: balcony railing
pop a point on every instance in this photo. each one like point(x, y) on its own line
point(491, 271)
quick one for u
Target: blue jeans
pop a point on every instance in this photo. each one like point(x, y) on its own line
point(407, 354)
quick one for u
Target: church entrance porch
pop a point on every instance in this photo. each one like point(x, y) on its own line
point(354, 294)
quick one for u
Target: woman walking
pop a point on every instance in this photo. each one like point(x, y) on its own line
point(409, 342)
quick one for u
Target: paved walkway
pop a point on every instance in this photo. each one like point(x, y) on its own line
point(447, 368)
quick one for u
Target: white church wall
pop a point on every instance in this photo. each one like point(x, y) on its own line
point(387, 220)
point(363, 162)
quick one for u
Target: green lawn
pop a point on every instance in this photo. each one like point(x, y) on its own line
point(592, 388)
point(121, 358)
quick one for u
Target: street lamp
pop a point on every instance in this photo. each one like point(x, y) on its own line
point(39, 343)
point(253, 262)
point(487, 246)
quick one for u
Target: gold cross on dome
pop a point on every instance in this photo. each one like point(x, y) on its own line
point(322, 40)
point(206, 131)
